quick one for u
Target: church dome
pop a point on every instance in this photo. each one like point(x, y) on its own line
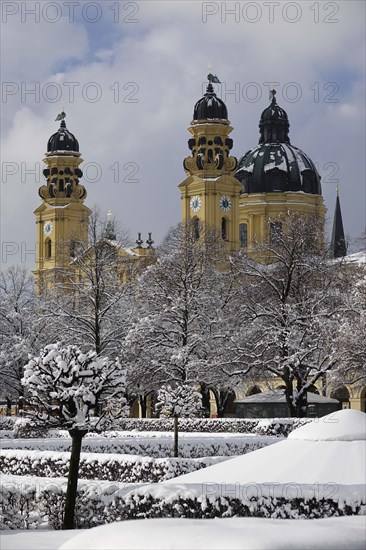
point(210, 107)
point(63, 140)
point(275, 164)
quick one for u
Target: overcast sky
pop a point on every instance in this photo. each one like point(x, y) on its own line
point(129, 74)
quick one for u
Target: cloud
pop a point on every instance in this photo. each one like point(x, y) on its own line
point(148, 75)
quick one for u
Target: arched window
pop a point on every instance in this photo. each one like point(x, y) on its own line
point(363, 399)
point(277, 180)
point(308, 181)
point(48, 248)
point(196, 228)
point(342, 394)
point(253, 391)
point(224, 229)
point(243, 231)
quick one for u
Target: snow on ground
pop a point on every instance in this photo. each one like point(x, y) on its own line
point(331, 450)
point(34, 540)
point(318, 459)
point(214, 534)
point(326, 458)
point(345, 425)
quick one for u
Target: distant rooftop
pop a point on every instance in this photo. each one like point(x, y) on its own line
point(278, 396)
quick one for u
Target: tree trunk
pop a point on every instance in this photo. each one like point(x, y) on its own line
point(8, 406)
point(143, 405)
point(175, 447)
point(220, 402)
point(72, 481)
point(205, 392)
point(302, 405)
point(287, 378)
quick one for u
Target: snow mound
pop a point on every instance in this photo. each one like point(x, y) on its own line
point(345, 425)
point(216, 534)
point(329, 450)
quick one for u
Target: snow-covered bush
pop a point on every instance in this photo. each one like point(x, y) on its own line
point(98, 503)
point(190, 447)
point(265, 426)
point(111, 467)
point(8, 422)
point(17, 508)
point(178, 400)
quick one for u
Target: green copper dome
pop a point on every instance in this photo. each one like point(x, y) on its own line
point(210, 107)
point(275, 164)
point(62, 140)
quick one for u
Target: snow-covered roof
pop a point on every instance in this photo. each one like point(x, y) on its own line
point(278, 396)
point(356, 258)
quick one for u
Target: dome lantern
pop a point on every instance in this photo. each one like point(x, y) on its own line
point(274, 124)
point(63, 140)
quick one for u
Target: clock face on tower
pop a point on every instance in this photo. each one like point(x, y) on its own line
point(225, 203)
point(48, 228)
point(195, 203)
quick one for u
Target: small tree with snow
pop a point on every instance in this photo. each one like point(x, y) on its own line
point(64, 385)
point(179, 400)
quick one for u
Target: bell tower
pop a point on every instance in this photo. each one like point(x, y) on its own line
point(62, 217)
point(210, 193)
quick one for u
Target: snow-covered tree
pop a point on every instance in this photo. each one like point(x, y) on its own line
point(90, 303)
point(350, 338)
point(63, 386)
point(292, 299)
point(179, 300)
point(20, 328)
point(179, 400)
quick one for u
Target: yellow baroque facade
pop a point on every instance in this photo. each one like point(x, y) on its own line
point(245, 201)
point(62, 215)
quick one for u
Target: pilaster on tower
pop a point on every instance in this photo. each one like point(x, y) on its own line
point(62, 218)
point(210, 193)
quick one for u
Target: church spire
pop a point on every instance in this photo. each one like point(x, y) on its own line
point(338, 247)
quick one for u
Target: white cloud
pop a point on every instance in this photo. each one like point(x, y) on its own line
point(162, 62)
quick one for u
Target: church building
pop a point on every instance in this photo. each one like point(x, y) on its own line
point(244, 200)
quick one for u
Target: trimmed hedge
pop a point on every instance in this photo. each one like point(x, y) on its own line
point(38, 504)
point(156, 447)
point(266, 426)
point(120, 468)
point(22, 428)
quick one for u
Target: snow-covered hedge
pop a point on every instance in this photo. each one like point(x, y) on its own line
point(8, 422)
point(266, 426)
point(157, 447)
point(36, 503)
point(23, 428)
point(112, 467)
